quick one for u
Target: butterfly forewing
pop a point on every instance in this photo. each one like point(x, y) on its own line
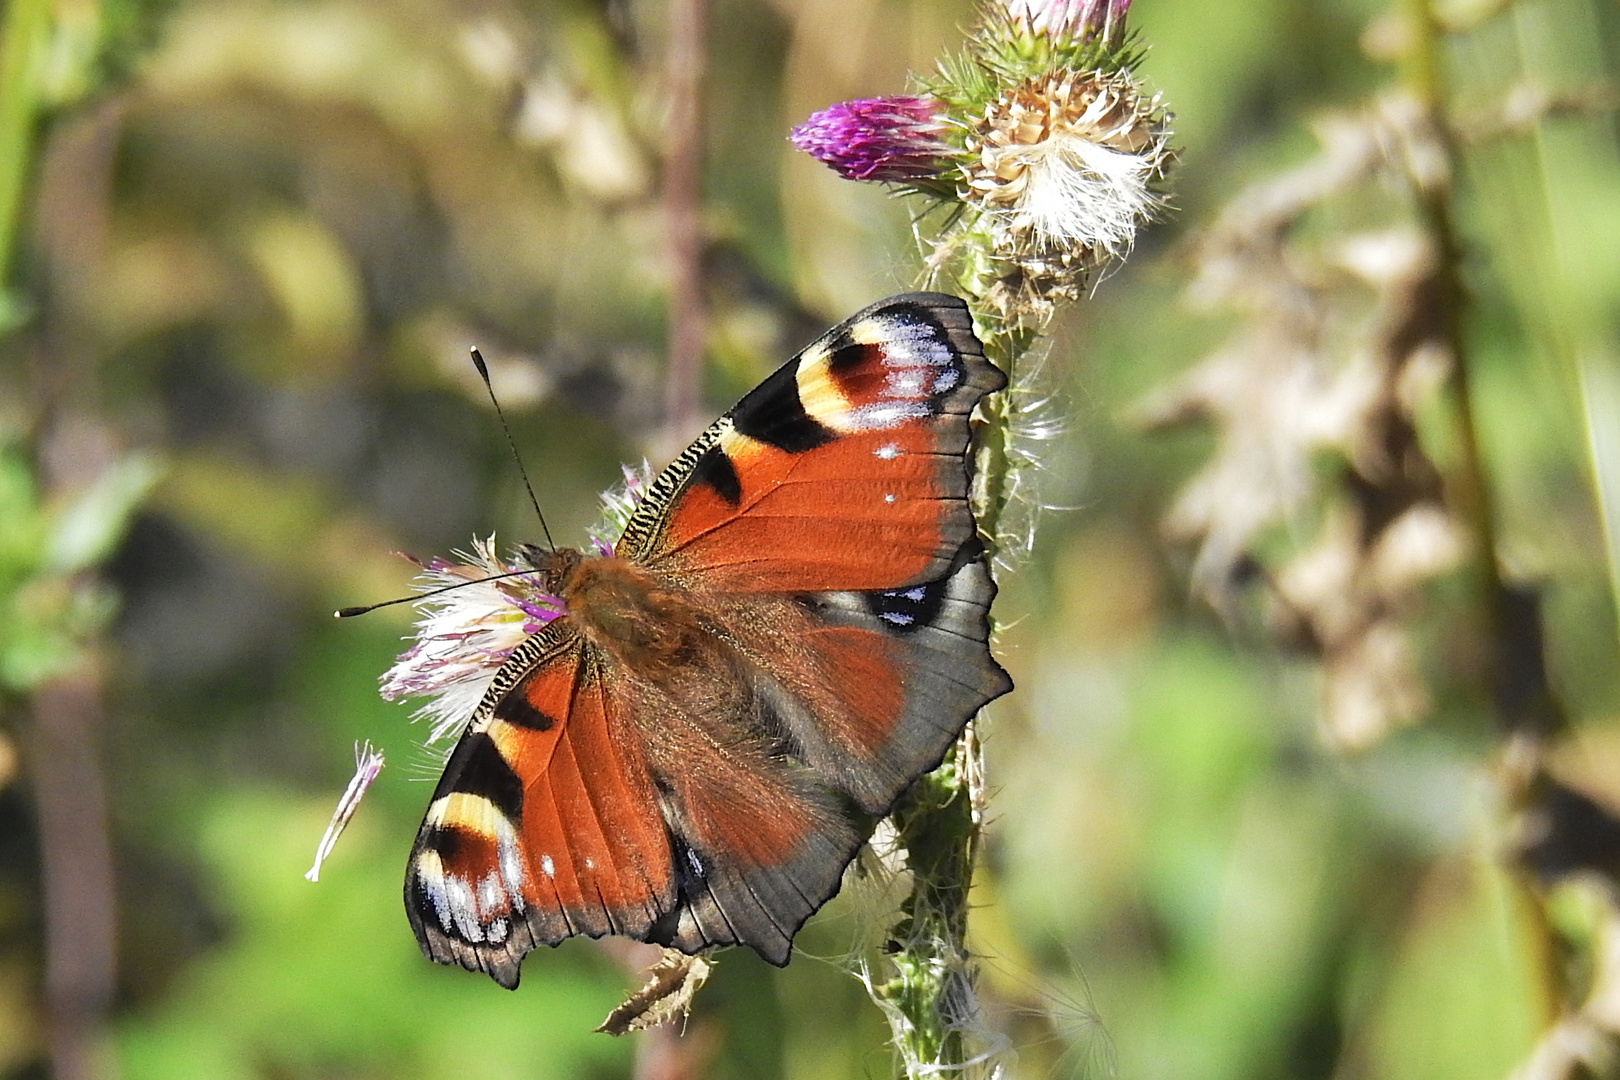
point(545, 823)
point(823, 525)
point(843, 470)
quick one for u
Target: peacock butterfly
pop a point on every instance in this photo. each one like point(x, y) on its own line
point(792, 628)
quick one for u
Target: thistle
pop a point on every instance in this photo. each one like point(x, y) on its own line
point(481, 609)
point(475, 611)
point(1038, 139)
point(1067, 163)
point(896, 140)
point(1045, 155)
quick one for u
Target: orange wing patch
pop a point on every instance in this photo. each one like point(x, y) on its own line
point(868, 511)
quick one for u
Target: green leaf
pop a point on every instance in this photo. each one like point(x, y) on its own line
point(21, 529)
point(36, 655)
point(85, 531)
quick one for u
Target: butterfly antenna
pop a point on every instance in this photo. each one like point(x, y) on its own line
point(351, 612)
point(483, 373)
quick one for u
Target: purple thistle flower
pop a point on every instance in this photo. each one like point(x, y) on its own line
point(463, 636)
point(618, 505)
point(1071, 20)
point(481, 608)
point(892, 140)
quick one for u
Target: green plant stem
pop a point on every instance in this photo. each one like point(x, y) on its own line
point(24, 38)
point(1470, 488)
point(932, 984)
point(1003, 346)
point(937, 820)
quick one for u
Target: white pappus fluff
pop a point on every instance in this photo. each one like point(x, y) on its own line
point(1078, 192)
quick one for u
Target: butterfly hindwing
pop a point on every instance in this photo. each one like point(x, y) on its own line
point(934, 638)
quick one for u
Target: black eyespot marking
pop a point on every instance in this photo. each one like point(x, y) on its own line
point(517, 710)
point(715, 469)
point(477, 768)
point(443, 842)
point(773, 414)
point(908, 610)
point(847, 355)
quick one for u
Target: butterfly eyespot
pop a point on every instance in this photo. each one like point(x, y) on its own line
point(888, 451)
point(881, 417)
point(547, 867)
point(889, 498)
point(462, 910)
point(907, 383)
point(443, 844)
point(908, 609)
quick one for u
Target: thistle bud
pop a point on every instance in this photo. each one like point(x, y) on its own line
point(893, 140)
point(1071, 20)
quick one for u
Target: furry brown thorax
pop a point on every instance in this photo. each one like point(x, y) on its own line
point(619, 606)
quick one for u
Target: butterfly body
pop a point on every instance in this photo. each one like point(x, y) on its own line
point(792, 628)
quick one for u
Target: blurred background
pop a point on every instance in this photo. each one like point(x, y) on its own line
point(245, 248)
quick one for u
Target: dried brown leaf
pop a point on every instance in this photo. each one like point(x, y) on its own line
point(1339, 343)
point(666, 997)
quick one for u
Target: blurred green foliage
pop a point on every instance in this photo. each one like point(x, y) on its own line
point(50, 614)
point(258, 254)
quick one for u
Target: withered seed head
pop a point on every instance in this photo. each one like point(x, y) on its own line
point(1066, 162)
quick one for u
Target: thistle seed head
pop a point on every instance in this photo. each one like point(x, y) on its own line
point(1066, 166)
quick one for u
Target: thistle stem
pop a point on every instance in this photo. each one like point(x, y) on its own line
point(1474, 503)
point(931, 998)
point(932, 989)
